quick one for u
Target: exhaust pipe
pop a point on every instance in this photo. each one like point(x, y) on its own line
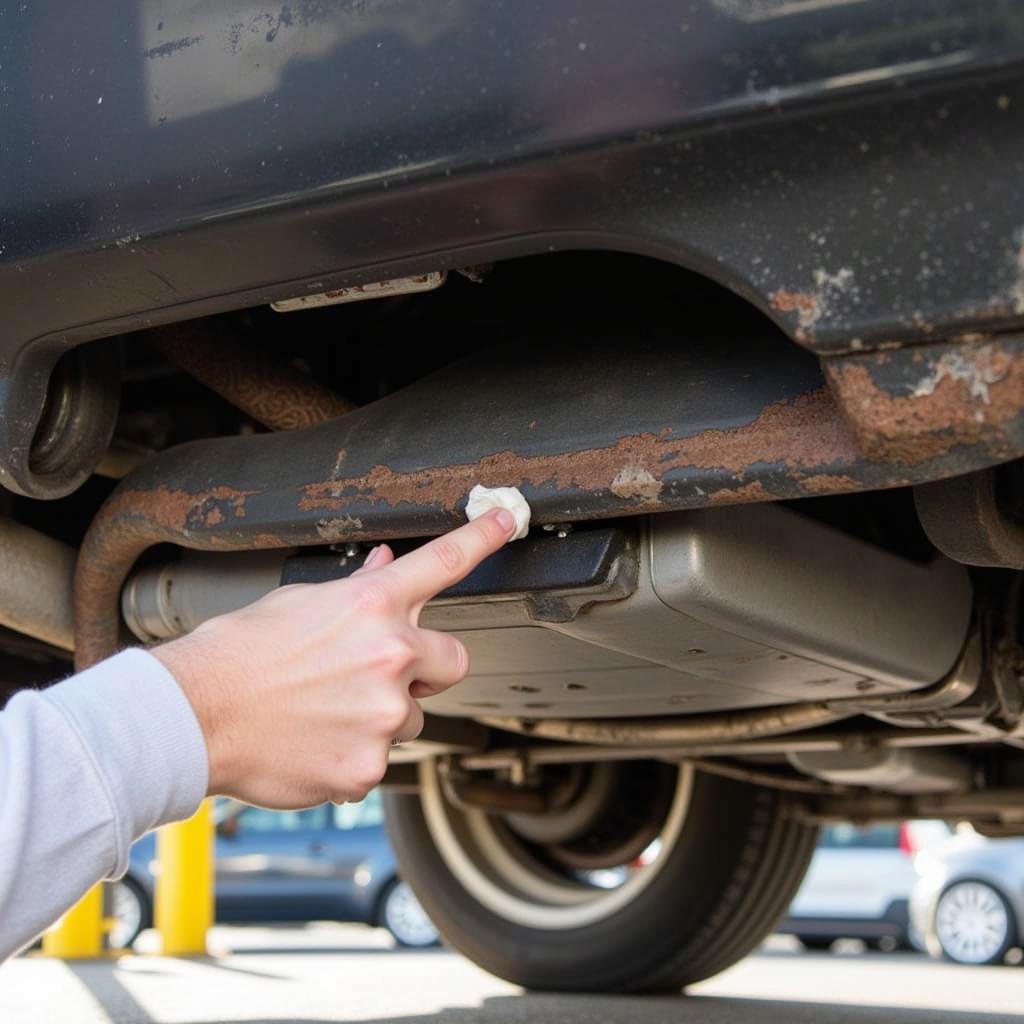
point(35, 585)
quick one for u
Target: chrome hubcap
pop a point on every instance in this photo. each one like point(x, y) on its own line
point(406, 919)
point(971, 922)
point(127, 915)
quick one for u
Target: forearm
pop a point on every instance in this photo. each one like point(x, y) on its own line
point(86, 767)
point(287, 703)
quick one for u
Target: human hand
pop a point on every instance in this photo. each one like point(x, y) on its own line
point(300, 694)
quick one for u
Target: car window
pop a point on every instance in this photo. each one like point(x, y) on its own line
point(860, 837)
point(365, 814)
point(929, 832)
point(259, 819)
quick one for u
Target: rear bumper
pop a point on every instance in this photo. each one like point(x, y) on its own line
point(893, 923)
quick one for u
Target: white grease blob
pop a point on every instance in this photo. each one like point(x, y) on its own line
point(483, 499)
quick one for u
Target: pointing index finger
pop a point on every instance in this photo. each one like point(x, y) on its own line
point(444, 561)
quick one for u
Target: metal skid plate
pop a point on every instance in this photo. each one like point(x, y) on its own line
point(733, 607)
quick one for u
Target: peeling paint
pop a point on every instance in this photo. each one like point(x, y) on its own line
point(979, 369)
point(636, 482)
point(338, 528)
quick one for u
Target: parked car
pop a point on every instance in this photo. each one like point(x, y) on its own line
point(731, 290)
point(968, 902)
point(858, 884)
point(324, 863)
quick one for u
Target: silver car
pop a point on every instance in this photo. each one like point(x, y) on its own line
point(968, 901)
point(858, 884)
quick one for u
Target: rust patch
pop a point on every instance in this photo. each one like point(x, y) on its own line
point(174, 509)
point(803, 434)
point(804, 305)
point(964, 397)
point(635, 482)
point(754, 491)
point(128, 523)
point(829, 483)
point(811, 306)
point(268, 540)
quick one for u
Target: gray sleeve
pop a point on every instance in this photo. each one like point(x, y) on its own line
point(86, 767)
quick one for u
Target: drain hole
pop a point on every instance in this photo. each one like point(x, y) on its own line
point(520, 688)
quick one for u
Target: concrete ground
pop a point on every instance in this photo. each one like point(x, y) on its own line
point(329, 973)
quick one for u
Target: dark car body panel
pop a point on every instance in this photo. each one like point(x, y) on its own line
point(314, 871)
point(851, 168)
point(893, 923)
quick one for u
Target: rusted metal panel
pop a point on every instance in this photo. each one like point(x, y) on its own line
point(930, 403)
point(589, 433)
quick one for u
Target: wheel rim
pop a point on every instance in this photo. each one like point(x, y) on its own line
point(127, 912)
point(491, 865)
point(971, 922)
point(406, 919)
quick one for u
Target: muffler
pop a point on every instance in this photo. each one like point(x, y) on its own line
point(688, 612)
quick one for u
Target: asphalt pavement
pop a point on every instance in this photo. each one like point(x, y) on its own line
point(324, 974)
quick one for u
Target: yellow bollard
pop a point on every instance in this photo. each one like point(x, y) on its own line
point(79, 934)
point(183, 908)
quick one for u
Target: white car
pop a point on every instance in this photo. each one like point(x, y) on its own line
point(968, 902)
point(858, 884)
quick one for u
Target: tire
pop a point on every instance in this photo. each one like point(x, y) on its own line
point(132, 912)
point(403, 915)
point(730, 861)
point(817, 943)
point(973, 923)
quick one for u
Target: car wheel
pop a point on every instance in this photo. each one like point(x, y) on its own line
point(403, 915)
point(711, 864)
point(973, 923)
point(818, 943)
point(131, 913)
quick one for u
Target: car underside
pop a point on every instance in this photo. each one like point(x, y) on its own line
point(752, 354)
